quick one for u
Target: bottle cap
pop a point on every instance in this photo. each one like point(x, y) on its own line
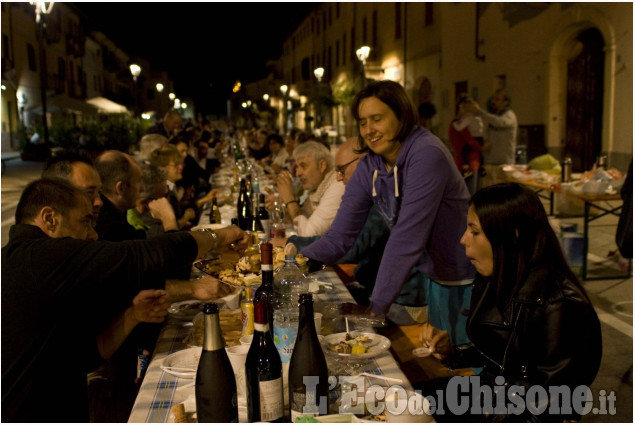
point(210, 308)
point(290, 250)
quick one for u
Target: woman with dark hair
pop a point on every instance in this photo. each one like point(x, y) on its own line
point(530, 320)
point(410, 176)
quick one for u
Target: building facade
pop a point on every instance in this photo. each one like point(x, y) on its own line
point(85, 73)
point(566, 67)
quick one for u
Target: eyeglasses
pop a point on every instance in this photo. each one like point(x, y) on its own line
point(342, 168)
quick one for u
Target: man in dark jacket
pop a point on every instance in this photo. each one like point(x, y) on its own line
point(57, 287)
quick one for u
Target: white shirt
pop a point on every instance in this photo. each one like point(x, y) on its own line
point(324, 208)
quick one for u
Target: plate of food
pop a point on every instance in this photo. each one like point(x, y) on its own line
point(245, 272)
point(182, 364)
point(185, 310)
point(363, 345)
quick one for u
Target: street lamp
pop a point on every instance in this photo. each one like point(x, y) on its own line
point(160, 87)
point(183, 105)
point(362, 55)
point(265, 97)
point(135, 70)
point(172, 96)
point(319, 73)
point(41, 10)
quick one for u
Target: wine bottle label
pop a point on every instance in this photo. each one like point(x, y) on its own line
point(271, 406)
point(266, 267)
point(260, 327)
point(299, 405)
point(284, 339)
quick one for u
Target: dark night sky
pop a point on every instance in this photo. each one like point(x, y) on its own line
point(205, 47)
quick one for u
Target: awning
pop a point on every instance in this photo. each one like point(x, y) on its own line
point(107, 106)
point(64, 103)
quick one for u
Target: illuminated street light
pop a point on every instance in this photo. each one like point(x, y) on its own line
point(244, 105)
point(159, 87)
point(284, 88)
point(135, 70)
point(265, 97)
point(183, 105)
point(172, 96)
point(319, 73)
point(177, 103)
point(362, 54)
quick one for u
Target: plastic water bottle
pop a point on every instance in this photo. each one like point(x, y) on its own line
point(288, 283)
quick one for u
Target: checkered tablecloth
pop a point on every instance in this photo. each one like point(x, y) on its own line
point(160, 390)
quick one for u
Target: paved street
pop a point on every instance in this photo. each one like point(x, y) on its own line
point(612, 298)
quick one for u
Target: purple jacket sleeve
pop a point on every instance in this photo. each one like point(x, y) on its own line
point(349, 221)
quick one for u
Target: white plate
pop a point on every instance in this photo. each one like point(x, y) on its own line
point(187, 358)
point(380, 344)
point(214, 226)
point(186, 310)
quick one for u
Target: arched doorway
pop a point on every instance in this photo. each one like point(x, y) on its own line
point(585, 94)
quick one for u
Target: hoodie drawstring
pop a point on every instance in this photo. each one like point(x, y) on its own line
point(394, 170)
point(374, 180)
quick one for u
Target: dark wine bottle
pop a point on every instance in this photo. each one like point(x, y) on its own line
point(256, 225)
point(307, 361)
point(263, 372)
point(214, 214)
point(215, 387)
point(265, 290)
point(263, 215)
point(245, 213)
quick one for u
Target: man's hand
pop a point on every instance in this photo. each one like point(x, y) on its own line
point(269, 198)
point(232, 235)
point(162, 210)
point(150, 305)
point(208, 288)
point(437, 340)
point(284, 186)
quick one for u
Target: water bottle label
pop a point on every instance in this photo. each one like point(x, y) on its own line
point(284, 338)
point(271, 406)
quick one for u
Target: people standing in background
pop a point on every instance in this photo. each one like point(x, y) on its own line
point(501, 130)
point(169, 127)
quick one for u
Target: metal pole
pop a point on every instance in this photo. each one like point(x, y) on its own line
point(43, 78)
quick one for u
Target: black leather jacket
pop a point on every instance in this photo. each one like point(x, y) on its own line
point(549, 334)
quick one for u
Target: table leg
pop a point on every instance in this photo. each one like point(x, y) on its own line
point(585, 242)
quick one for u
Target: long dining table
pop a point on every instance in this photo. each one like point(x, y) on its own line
point(161, 390)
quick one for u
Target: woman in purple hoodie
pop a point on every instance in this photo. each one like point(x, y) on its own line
point(410, 176)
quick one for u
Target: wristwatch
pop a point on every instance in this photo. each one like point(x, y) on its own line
point(213, 233)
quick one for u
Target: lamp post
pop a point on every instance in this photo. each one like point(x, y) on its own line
point(319, 73)
point(284, 89)
point(41, 10)
point(160, 88)
point(135, 70)
point(362, 55)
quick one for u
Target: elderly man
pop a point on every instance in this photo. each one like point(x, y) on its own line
point(314, 168)
point(147, 144)
point(122, 184)
point(60, 290)
point(170, 127)
point(78, 170)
